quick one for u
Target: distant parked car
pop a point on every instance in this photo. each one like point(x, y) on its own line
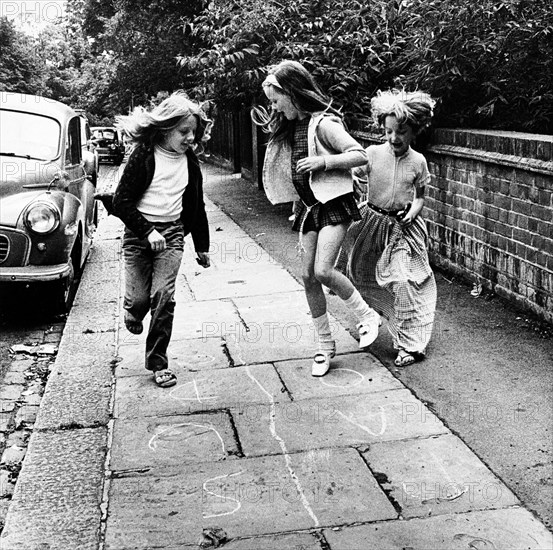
point(90, 153)
point(109, 144)
point(47, 209)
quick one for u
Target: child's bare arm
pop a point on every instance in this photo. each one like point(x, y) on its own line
point(349, 153)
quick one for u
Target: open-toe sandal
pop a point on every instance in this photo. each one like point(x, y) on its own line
point(165, 378)
point(405, 358)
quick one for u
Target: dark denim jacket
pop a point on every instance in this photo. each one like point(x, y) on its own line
point(137, 177)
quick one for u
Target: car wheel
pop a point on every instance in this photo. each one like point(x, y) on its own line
point(64, 290)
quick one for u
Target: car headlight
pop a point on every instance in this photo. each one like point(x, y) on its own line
point(42, 217)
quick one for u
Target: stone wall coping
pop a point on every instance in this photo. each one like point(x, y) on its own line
point(458, 143)
point(522, 163)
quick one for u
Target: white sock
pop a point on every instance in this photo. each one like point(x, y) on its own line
point(359, 307)
point(324, 334)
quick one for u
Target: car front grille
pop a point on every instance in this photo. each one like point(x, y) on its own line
point(14, 247)
point(4, 248)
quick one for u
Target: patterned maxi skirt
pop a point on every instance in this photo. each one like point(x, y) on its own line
point(390, 268)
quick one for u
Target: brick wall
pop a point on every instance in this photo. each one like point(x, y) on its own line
point(489, 209)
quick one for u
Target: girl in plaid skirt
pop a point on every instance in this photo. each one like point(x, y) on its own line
point(384, 254)
point(322, 154)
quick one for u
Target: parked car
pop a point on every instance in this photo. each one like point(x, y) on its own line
point(109, 143)
point(47, 209)
point(90, 152)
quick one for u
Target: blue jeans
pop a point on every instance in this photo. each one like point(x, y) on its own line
point(150, 279)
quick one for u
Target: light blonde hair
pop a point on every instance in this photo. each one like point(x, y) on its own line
point(150, 126)
point(413, 108)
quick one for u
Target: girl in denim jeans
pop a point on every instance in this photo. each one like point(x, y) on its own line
point(160, 201)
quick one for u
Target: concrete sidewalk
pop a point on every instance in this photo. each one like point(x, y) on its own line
point(248, 447)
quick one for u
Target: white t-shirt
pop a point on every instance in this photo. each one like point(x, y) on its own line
point(162, 201)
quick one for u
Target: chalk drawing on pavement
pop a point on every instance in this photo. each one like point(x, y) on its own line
point(184, 388)
point(175, 430)
point(383, 422)
point(327, 379)
point(282, 444)
point(226, 499)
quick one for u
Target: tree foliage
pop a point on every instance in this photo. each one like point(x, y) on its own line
point(489, 63)
point(133, 49)
point(19, 67)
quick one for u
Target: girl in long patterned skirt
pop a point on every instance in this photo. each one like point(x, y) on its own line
point(385, 253)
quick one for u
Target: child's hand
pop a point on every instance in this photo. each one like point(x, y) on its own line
point(157, 241)
point(406, 220)
point(406, 216)
point(203, 259)
point(310, 164)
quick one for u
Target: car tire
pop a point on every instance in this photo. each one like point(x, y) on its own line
point(63, 291)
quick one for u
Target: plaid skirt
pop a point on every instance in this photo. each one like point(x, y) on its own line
point(336, 211)
point(389, 266)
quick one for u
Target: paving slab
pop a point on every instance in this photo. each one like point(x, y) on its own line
point(280, 308)
point(263, 342)
point(239, 389)
point(296, 541)
point(57, 498)
point(158, 442)
point(343, 421)
point(79, 387)
point(350, 374)
point(99, 282)
point(205, 319)
point(510, 529)
point(195, 355)
point(102, 252)
point(193, 320)
point(437, 475)
point(92, 318)
point(229, 248)
point(78, 350)
point(77, 398)
point(245, 498)
point(214, 283)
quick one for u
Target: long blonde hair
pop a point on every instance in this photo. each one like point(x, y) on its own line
point(149, 126)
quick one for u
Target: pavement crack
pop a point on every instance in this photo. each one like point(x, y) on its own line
point(383, 483)
point(121, 474)
point(239, 451)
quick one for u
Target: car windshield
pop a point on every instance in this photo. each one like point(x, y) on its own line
point(29, 135)
point(105, 134)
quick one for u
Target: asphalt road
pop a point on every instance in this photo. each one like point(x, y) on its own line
point(488, 374)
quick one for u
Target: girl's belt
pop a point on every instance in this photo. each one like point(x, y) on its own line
point(392, 213)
